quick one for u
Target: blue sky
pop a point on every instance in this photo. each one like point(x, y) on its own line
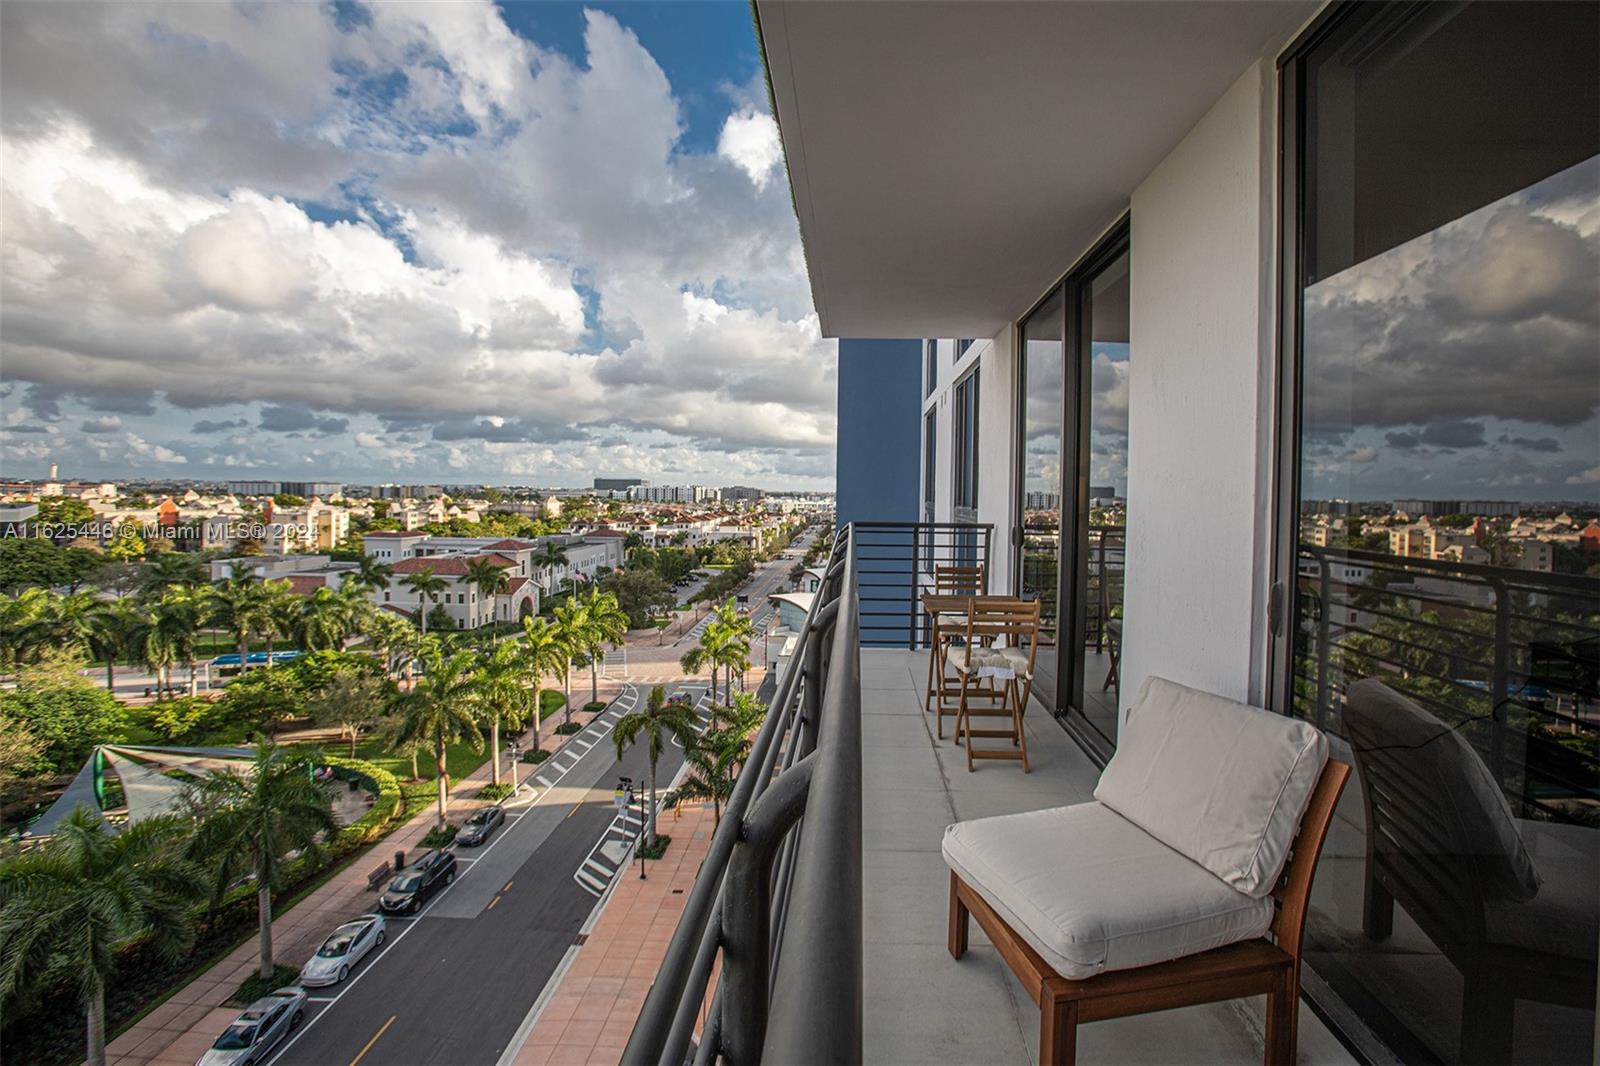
point(526, 243)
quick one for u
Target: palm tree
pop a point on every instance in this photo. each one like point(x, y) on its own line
point(658, 721)
point(553, 555)
point(442, 710)
point(371, 574)
point(325, 620)
point(427, 588)
point(542, 652)
point(172, 568)
point(239, 606)
point(65, 907)
point(65, 621)
point(114, 624)
point(393, 637)
point(280, 613)
point(249, 820)
point(17, 617)
point(711, 651)
point(711, 773)
point(490, 579)
point(503, 696)
point(572, 629)
point(181, 610)
point(608, 624)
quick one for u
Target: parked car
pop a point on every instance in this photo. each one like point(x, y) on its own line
point(250, 1037)
point(482, 823)
point(418, 883)
point(679, 698)
point(345, 947)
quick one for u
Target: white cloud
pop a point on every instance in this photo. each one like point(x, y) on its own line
point(520, 242)
point(750, 140)
point(1590, 476)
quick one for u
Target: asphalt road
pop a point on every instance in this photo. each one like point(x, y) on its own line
point(453, 985)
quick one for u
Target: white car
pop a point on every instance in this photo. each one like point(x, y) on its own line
point(339, 954)
point(257, 1031)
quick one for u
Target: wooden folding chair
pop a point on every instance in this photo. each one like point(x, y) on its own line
point(1268, 965)
point(947, 581)
point(996, 674)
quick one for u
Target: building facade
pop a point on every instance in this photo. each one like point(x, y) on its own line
point(1200, 270)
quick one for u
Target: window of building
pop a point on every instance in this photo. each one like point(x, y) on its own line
point(1442, 398)
point(964, 438)
point(930, 366)
point(961, 349)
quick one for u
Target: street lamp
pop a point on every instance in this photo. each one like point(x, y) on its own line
point(514, 749)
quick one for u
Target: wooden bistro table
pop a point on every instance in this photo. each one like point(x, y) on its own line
point(947, 623)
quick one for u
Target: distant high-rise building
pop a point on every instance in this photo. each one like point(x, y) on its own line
point(618, 484)
point(255, 488)
point(741, 494)
point(1478, 508)
point(308, 489)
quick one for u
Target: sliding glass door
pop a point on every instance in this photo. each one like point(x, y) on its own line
point(1073, 414)
point(1440, 467)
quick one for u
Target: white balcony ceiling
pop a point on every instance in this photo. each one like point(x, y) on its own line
point(949, 160)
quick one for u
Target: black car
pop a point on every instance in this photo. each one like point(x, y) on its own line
point(418, 883)
point(482, 823)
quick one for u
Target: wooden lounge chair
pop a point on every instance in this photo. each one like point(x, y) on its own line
point(1186, 881)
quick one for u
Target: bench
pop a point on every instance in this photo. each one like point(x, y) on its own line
point(379, 876)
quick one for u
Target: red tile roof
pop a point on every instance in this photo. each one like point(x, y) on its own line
point(511, 544)
point(446, 565)
point(385, 533)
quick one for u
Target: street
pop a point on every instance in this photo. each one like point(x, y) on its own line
point(453, 984)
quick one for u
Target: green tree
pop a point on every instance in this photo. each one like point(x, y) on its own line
point(639, 593)
point(112, 627)
point(572, 630)
point(350, 700)
point(21, 751)
point(239, 606)
point(263, 698)
point(65, 907)
point(32, 562)
point(326, 618)
point(426, 586)
point(551, 558)
point(280, 614)
point(371, 574)
point(658, 721)
point(503, 695)
point(64, 709)
point(490, 579)
point(607, 625)
point(542, 652)
point(249, 820)
point(443, 709)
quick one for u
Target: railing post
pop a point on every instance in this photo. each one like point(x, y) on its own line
point(747, 909)
point(1322, 642)
point(911, 608)
point(1500, 684)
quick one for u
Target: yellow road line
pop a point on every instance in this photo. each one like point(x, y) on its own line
point(508, 886)
point(492, 902)
point(374, 1040)
point(574, 810)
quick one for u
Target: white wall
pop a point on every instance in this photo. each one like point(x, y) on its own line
point(1199, 410)
point(997, 445)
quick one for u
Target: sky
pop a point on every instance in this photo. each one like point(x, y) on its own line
point(457, 242)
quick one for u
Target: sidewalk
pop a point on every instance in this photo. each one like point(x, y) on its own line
point(591, 1015)
point(179, 1031)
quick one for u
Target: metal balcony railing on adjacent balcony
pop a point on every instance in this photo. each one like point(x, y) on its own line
point(896, 560)
point(1509, 657)
point(777, 902)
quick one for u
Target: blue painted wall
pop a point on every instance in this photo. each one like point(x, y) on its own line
point(878, 471)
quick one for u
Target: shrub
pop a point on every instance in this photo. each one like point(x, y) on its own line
point(659, 849)
point(255, 986)
point(536, 756)
point(566, 729)
point(494, 793)
point(440, 836)
point(594, 708)
point(381, 783)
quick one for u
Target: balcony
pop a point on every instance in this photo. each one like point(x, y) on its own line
point(825, 885)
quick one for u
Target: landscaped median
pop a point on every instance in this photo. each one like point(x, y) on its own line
point(50, 1029)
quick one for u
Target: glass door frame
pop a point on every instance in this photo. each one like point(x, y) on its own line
point(1072, 566)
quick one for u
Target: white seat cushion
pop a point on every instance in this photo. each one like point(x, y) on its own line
point(1219, 781)
point(992, 662)
point(1563, 918)
point(1091, 891)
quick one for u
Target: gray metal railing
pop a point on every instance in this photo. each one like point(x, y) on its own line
point(787, 855)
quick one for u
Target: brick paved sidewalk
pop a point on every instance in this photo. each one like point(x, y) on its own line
point(179, 1031)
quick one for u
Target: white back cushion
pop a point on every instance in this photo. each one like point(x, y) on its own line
point(1220, 782)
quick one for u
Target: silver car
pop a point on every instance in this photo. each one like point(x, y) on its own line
point(253, 1034)
point(339, 954)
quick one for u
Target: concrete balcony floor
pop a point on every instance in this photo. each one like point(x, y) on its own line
point(922, 1006)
